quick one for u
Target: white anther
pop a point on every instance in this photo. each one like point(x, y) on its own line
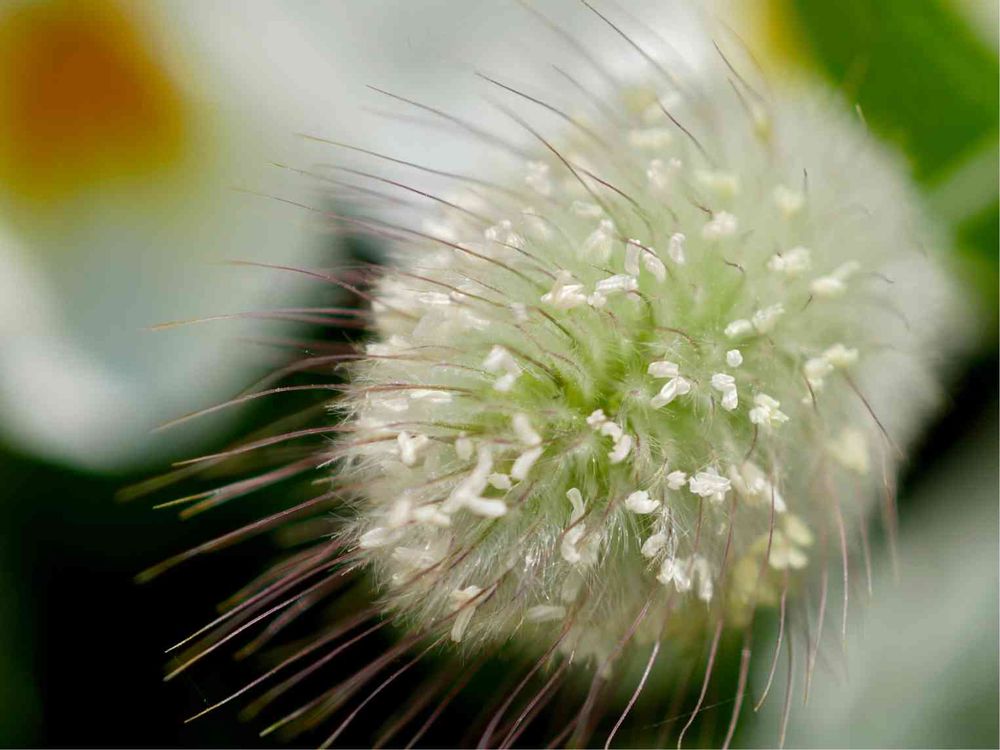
point(816, 369)
point(545, 613)
point(472, 486)
point(520, 311)
point(726, 385)
point(485, 507)
point(565, 293)
point(596, 418)
point(734, 358)
point(524, 431)
point(834, 284)
point(500, 359)
point(791, 263)
point(676, 480)
point(840, 356)
point(654, 265)
point(616, 284)
point(674, 388)
point(650, 139)
point(675, 248)
point(675, 570)
point(663, 369)
point(738, 328)
point(567, 547)
point(652, 546)
point(500, 481)
point(409, 446)
point(537, 178)
point(641, 503)
point(766, 412)
point(632, 250)
point(765, 319)
point(621, 449)
point(788, 201)
point(611, 430)
point(598, 244)
point(586, 210)
point(575, 498)
point(827, 286)
point(524, 462)
point(462, 602)
point(710, 484)
point(850, 450)
point(722, 224)
point(723, 382)
point(730, 399)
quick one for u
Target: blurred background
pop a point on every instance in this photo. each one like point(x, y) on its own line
point(144, 144)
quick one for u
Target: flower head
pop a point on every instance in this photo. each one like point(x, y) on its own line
point(636, 389)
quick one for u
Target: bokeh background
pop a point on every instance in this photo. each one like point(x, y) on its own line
point(143, 144)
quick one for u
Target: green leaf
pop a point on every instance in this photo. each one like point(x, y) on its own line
point(921, 76)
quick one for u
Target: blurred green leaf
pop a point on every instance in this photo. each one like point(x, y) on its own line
point(919, 73)
point(926, 82)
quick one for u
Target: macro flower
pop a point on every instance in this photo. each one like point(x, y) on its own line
point(647, 379)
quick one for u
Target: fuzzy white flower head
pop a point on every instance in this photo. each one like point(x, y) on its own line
point(644, 415)
point(622, 362)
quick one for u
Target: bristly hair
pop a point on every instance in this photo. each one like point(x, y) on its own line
point(644, 381)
